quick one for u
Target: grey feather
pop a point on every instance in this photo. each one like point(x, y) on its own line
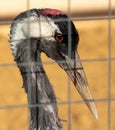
point(44, 116)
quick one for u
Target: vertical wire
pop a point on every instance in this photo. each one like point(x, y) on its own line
point(27, 4)
point(109, 65)
point(69, 55)
point(28, 65)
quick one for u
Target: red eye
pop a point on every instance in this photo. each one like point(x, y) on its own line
point(59, 37)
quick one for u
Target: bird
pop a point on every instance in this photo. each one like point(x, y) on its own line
point(52, 32)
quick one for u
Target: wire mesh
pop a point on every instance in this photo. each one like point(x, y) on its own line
point(109, 59)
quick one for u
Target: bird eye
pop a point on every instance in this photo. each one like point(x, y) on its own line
point(59, 37)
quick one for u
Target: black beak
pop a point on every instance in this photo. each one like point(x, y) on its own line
point(75, 71)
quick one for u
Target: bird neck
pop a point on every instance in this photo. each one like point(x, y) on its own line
point(41, 97)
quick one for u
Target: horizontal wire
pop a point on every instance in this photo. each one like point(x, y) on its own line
point(5, 22)
point(67, 19)
point(53, 62)
point(92, 18)
point(100, 100)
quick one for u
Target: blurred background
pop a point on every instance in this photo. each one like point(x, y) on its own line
point(95, 22)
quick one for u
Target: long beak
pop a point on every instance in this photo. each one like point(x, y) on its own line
point(75, 71)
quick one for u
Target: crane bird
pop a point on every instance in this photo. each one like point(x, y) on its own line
point(46, 30)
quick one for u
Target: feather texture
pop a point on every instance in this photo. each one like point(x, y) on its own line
point(41, 97)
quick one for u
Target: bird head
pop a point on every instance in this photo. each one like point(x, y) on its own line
point(58, 39)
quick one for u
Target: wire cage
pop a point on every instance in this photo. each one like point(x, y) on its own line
point(96, 48)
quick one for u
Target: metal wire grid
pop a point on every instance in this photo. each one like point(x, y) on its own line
point(109, 59)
